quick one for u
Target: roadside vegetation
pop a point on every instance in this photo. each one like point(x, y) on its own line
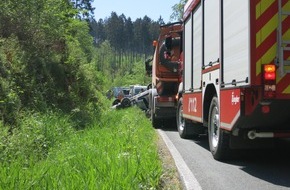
point(118, 152)
point(56, 127)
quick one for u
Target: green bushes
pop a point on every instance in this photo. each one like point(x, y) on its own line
point(56, 130)
point(119, 152)
point(45, 59)
point(34, 137)
point(10, 69)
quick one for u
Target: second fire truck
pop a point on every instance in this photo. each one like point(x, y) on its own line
point(166, 74)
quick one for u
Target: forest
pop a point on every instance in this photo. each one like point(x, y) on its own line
point(56, 63)
point(53, 54)
point(128, 41)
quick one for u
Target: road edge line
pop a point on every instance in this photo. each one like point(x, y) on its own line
point(188, 179)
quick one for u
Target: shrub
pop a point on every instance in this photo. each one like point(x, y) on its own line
point(32, 140)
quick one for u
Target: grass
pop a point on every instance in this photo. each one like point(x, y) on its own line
point(118, 152)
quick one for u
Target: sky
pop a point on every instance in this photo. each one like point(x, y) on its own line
point(134, 8)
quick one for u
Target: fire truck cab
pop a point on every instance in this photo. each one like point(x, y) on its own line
point(166, 74)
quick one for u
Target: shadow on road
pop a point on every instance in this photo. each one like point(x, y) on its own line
point(201, 140)
point(270, 165)
point(168, 125)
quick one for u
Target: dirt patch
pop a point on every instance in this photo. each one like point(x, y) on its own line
point(170, 179)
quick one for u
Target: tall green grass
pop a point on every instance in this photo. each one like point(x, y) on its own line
point(36, 134)
point(118, 152)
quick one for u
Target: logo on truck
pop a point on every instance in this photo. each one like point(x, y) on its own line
point(192, 105)
point(235, 99)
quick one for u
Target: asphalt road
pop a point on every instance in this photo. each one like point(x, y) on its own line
point(252, 169)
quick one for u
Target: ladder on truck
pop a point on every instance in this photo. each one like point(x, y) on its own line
point(283, 44)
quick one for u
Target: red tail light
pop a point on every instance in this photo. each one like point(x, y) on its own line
point(269, 80)
point(269, 72)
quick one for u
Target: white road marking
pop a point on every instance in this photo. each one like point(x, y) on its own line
point(188, 179)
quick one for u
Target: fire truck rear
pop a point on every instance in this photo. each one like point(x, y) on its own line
point(236, 82)
point(166, 74)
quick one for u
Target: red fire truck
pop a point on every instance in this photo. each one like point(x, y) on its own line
point(236, 77)
point(166, 74)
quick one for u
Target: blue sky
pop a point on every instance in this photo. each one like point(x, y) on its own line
point(135, 8)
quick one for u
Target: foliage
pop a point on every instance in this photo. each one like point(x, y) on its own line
point(54, 121)
point(118, 153)
point(126, 36)
point(178, 11)
point(117, 74)
point(84, 7)
point(136, 76)
point(11, 57)
point(33, 139)
point(45, 58)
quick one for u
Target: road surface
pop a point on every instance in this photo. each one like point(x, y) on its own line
point(255, 169)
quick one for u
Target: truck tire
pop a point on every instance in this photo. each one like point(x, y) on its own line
point(182, 124)
point(218, 138)
point(156, 122)
point(186, 128)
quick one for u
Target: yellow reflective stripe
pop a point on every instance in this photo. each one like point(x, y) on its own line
point(266, 58)
point(266, 30)
point(270, 27)
point(262, 7)
point(287, 90)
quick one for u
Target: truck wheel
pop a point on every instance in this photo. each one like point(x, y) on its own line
point(156, 123)
point(186, 129)
point(218, 139)
point(182, 124)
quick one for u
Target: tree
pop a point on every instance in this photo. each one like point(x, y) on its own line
point(84, 8)
point(115, 31)
point(42, 56)
point(100, 34)
point(129, 32)
point(178, 11)
point(138, 38)
point(147, 38)
point(160, 21)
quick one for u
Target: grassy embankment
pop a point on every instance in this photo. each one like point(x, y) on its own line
point(117, 152)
